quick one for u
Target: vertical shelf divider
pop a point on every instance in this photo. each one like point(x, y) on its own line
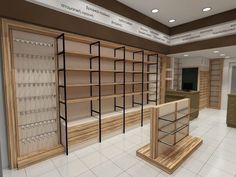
point(142, 83)
point(99, 112)
point(115, 74)
point(156, 74)
point(60, 86)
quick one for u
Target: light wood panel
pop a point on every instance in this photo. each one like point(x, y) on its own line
point(170, 160)
point(85, 132)
point(204, 89)
point(216, 76)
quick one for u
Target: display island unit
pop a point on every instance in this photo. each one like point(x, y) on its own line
point(170, 143)
point(63, 90)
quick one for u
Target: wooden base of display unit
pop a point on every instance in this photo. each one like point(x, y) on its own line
point(87, 131)
point(39, 156)
point(170, 160)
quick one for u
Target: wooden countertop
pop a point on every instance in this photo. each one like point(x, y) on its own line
point(181, 91)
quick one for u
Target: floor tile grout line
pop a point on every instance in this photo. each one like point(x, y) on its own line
point(211, 154)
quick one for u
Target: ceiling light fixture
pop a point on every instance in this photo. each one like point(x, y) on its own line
point(216, 51)
point(222, 54)
point(155, 11)
point(227, 57)
point(206, 9)
point(186, 55)
point(172, 20)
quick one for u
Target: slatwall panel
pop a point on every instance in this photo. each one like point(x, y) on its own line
point(216, 71)
point(204, 89)
point(35, 92)
point(177, 74)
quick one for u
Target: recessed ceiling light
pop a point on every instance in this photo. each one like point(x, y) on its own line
point(222, 54)
point(227, 57)
point(216, 51)
point(206, 9)
point(186, 55)
point(155, 11)
point(172, 20)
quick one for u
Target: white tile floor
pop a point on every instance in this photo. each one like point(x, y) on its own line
point(116, 156)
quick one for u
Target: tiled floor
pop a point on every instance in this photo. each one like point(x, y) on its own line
point(116, 156)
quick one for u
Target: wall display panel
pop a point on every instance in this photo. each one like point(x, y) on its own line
point(64, 89)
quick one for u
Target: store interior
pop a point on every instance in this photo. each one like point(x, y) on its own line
point(139, 94)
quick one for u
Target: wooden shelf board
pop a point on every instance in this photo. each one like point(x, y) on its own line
point(106, 84)
point(77, 54)
point(170, 160)
point(79, 100)
point(83, 120)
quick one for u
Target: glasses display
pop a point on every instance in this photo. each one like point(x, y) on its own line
point(35, 92)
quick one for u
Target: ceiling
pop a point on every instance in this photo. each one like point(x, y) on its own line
point(182, 11)
point(229, 51)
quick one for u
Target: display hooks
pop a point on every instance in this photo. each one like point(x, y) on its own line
point(31, 42)
point(35, 95)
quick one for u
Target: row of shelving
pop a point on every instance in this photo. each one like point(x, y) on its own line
point(75, 54)
point(143, 71)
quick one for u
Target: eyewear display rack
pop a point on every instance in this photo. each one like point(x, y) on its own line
point(119, 87)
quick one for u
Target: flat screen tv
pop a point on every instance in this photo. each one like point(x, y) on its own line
point(189, 79)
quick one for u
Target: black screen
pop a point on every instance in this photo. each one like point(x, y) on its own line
point(189, 79)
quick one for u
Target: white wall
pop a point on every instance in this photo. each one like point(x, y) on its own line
point(226, 82)
point(200, 62)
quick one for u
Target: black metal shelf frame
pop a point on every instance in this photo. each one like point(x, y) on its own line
point(156, 75)
point(62, 86)
point(123, 60)
point(142, 83)
point(98, 71)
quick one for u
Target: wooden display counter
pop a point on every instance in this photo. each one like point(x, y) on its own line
point(231, 110)
point(194, 96)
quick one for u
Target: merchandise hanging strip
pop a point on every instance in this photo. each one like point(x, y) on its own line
point(65, 117)
point(35, 43)
point(142, 82)
point(115, 74)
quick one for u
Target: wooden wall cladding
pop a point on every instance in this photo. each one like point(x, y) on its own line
point(204, 89)
point(216, 76)
point(82, 133)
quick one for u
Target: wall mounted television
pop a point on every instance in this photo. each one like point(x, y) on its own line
point(189, 79)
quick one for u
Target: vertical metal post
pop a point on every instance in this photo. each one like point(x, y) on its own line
point(99, 88)
point(123, 106)
point(157, 59)
point(62, 36)
point(142, 88)
point(148, 69)
point(99, 112)
point(133, 82)
point(65, 90)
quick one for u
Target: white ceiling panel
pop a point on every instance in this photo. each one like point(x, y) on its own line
point(182, 11)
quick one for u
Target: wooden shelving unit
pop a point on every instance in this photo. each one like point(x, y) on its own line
point(139, 72)
point(215, 84)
